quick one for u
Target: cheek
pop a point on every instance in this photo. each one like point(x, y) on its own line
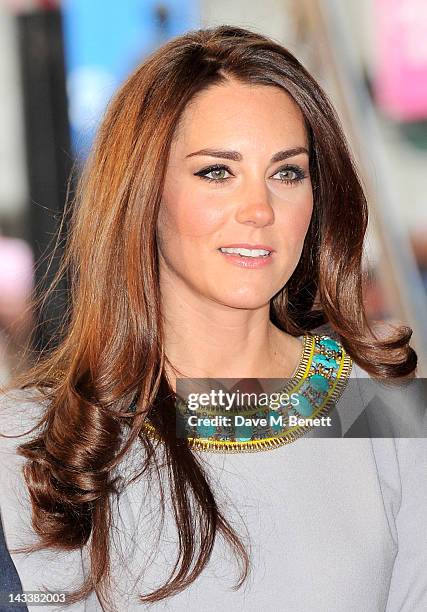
point(302, 220)
point(294, 216)
point(190, 216)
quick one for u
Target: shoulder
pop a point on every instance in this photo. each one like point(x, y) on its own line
point(408, 588)
point(382, 329)
point(20, 413)
point(57, 570)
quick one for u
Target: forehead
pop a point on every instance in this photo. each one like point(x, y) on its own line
point(236, 111)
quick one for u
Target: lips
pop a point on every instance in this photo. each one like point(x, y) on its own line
point(244, 261)
point(245, 245)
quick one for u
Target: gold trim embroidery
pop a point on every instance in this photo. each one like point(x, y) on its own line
point(229, 446)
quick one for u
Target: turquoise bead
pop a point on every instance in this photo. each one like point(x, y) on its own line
point(244, 432)
point(304, 406)
point(327, 362)
point(275, 426)
point(330, 344)
point(306, 386)
point(205, 431)
point(319, 383)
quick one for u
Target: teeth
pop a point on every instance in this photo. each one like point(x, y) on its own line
point(246, 252)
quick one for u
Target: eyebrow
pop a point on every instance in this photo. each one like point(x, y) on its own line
point(236, 156)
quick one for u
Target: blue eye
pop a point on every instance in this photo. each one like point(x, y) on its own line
point(298, 174)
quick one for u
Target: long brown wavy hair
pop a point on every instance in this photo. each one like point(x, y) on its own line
point(110, 347)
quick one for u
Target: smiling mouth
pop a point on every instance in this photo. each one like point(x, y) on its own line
point(244, 252)
point(248, 259)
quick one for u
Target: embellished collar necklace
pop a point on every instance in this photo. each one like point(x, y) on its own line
point(319, 381)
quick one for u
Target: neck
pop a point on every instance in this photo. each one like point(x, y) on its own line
point(206, 339)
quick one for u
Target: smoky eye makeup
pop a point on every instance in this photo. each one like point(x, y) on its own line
point(295, 173)
point(215, 169)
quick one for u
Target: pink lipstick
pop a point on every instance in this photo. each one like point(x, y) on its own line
point(250, 255)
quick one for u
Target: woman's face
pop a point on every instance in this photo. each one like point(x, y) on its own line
point(252, 188)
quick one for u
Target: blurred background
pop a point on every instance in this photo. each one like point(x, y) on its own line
point(60, 62)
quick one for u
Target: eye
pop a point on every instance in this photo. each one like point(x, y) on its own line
point(215, 170)
point(293, 174)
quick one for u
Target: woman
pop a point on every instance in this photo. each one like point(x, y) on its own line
point(219, 141)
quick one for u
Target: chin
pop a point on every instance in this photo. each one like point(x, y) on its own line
point(249, 302)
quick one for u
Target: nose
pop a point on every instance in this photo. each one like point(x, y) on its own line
point(254, 205)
